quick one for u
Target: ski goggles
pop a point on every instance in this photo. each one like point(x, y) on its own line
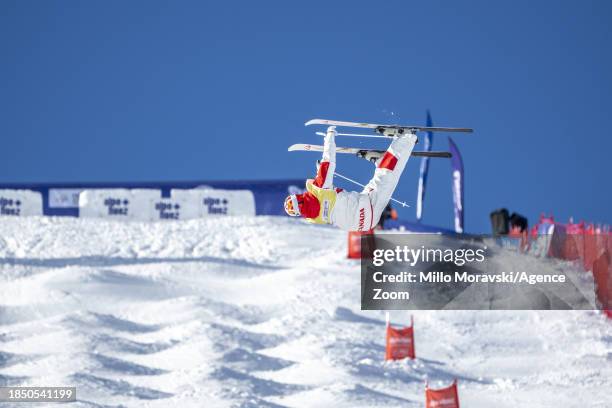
point(292, 207)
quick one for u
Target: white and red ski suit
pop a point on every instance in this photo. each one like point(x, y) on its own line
point(353, 211)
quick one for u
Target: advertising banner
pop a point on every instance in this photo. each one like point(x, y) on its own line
point(118, 203)
point(266, 196)
point(19, 203)
point(215, 202)
point(64, 197)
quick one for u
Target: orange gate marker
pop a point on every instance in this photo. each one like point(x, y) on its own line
point(400, 341)
point(442, 398)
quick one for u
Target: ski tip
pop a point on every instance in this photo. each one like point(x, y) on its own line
point(443, 129)
point(313, 122)
point(446, 155)
point(464, 130)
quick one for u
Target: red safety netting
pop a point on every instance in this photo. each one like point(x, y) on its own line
point(573, 247)
point(602, 274)
point(589, 245)
point(521, 236)
point(442, 398)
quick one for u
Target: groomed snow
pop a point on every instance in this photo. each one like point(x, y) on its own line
point(260, 312)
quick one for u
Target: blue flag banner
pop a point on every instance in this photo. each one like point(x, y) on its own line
point(457, 184)
point(424, 170)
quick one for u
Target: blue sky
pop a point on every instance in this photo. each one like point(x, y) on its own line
point(135, 91)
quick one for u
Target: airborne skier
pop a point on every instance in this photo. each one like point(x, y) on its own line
point(350, 210)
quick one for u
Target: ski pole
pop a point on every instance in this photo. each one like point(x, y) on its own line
point(403, 204)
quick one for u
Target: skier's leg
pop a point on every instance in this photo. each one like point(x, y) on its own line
point(327, 165)
point(389, 168)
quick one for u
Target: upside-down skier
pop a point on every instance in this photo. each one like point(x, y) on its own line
point(322, 203)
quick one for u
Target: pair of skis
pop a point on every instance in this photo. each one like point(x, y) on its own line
point(381, 131)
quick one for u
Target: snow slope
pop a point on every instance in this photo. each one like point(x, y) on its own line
point(260, 312)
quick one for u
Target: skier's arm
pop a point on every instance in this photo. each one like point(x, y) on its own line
point(325, 175)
